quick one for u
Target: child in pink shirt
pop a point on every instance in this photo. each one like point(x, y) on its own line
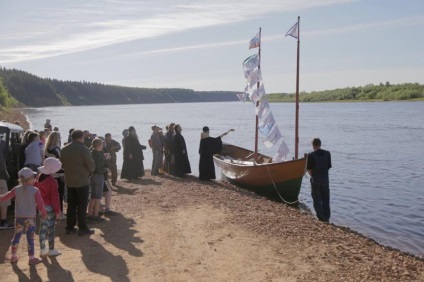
point(49, 190)
point(27, 200)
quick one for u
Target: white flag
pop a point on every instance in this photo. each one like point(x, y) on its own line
point(293, 31)
point(243, 96)
point(273, 137)
point(266, 123)
point(263, 107)
point(254, 78)
point(257, 94)
point(254, 42)
point(251, 62)
point(281, 155)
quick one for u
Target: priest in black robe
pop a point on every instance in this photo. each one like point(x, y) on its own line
point(182, 164)
point(208, 147)
point(132, 167)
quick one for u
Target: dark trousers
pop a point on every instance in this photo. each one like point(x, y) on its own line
point(321, 196)
point(61, 187)
point(77, 205)
point(113, 168)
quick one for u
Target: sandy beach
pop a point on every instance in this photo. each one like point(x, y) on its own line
point(170, 229)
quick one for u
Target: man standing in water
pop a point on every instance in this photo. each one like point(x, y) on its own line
point(319, 162)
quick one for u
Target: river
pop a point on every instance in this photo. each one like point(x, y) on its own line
point(377, 183)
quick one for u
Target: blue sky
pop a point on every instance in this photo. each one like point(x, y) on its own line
point(201, 44)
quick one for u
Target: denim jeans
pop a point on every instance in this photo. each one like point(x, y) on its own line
point(77, 205)
point(321, 195)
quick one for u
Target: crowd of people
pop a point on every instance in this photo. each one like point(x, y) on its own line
point(78, 173)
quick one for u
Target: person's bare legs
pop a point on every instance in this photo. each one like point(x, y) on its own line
point(108, 198)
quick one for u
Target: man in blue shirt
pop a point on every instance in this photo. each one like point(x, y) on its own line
point(319, 162)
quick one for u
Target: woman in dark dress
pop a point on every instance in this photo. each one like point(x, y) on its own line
point(208, 147)
point(133, 156)
point(182, 164)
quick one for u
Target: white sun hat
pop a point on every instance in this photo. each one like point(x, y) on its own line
point(50, 166)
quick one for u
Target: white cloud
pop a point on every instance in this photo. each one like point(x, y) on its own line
point(53, 31)
point(401, 22)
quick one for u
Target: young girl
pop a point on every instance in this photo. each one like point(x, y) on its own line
point(97, 180)
point(28, 198)
point(48, 187)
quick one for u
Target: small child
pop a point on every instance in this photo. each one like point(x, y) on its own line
point(49, 190)
point(28, 199)
point(97, 180)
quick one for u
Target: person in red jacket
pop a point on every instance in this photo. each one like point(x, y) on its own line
point(49, 189)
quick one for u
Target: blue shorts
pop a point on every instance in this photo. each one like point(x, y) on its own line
point(96, 183)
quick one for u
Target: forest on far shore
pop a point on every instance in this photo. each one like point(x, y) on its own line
point(19, 88)
point(33, 91)
point(381, 92)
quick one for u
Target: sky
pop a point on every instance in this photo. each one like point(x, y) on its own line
point(201, 45)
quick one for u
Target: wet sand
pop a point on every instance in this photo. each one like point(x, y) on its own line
point(170, 229)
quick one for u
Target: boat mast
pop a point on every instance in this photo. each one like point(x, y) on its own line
point(296, 142)
point(257, 103)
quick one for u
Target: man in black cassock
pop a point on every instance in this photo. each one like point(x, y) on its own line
point(132, 167)
point(182, 164)
point(208, 147)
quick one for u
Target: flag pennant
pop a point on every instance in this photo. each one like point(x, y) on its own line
point(254, 42)
point(262, 108)
point(282, 153)
point(266, 123)
point(273, 137)
point(257, 94)
point(254, 78)
point(293, 31)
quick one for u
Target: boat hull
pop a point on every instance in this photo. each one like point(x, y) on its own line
point(275, 180)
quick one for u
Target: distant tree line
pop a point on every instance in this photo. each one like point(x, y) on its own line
point(382, 92)
point(34, 91)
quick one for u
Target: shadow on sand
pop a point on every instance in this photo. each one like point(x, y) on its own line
point(33, 274)
point(119, 232)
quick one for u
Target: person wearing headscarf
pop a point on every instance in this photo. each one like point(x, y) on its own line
point(132, 167)
point(208, 147)
point(125, 134)
point(182, 164)
point(169, 149)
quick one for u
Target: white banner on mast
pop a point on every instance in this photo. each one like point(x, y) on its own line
point(282, 153)
point(262, 107)
point(257, 94)
point(254, 78)
point(273, 137)
point(266, 123)
point(251, 62)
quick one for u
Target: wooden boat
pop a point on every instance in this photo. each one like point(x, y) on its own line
point(275, 180)
point(257, 172)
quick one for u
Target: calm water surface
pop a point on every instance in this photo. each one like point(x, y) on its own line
point(377, 183)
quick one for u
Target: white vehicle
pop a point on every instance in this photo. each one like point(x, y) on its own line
point(10, 145)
